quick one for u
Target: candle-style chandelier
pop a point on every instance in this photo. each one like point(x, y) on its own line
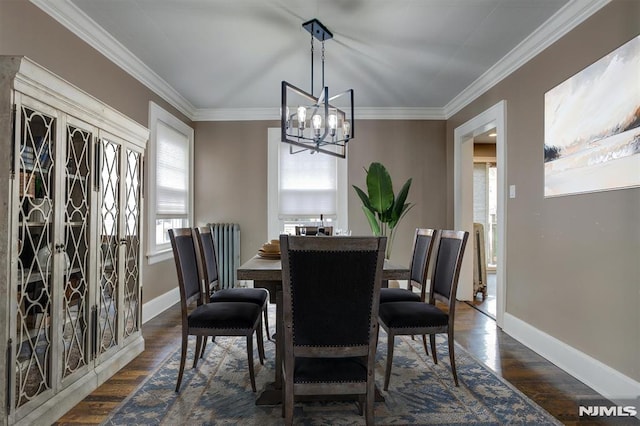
point(316, 124)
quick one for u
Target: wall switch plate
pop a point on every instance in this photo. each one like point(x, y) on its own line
point(512, 191)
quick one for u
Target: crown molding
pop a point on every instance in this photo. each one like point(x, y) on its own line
point(236, 114)
point(76, 21)
point(400, 113)
point(566, 19)
point(261, 114)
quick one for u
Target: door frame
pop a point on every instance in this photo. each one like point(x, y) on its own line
point(496, 116)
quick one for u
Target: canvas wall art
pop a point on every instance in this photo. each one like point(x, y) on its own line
point(592, 127)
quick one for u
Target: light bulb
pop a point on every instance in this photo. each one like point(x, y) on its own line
point(333, 124)
point(346, 129)
point(316, 121)
point(286, 119)
point(302, 116)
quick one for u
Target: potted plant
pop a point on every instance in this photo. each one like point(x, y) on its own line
point(381, 206)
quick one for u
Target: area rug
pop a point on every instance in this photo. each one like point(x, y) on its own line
point(218, 392)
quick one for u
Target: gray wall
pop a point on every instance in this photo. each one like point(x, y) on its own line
point(231, 175)
point(573, 263)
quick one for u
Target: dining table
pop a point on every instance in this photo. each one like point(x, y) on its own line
point(267, 273)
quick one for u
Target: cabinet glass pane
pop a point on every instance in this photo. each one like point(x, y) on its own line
point(108, 258)
point(35, 259)
point(76, 231)
point(132, 245)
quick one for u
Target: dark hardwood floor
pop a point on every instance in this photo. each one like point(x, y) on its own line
point(553, 389)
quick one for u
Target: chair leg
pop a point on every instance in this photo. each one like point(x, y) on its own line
point(387, 373)
point(432, 340)
point(424, 343)
point(204, 346)
point(266, 320)
point(260, 340)
point(452, 357)
point(288, 401)
point(252, 375)
point(183, 356)
point(198, 351)
point(369, 409)
point(361, 403)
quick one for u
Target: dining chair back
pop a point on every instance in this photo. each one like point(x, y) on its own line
point(330, 305)
point(421, 318)
point(209, 263)
point(208, 257)
point(423, 243)
point(209, 319)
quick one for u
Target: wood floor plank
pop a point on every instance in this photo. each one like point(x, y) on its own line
point(547, 385)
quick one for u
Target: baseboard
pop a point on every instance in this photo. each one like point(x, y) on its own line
point(160, 304)
point(608, 382)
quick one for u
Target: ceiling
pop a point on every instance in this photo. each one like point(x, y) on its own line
point(411, 57)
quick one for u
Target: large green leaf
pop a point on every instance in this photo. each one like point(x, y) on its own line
point(398, 205)
point(363, 197)
point(373, 222)
point(403, 212)
point(380, 188)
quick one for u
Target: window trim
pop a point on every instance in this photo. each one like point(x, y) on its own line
point(161, 252)
point(273, 220)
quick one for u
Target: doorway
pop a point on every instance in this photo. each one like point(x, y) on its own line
point(493, 118)
point(485, 222)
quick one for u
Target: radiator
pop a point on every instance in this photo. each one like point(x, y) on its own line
point(226, 237)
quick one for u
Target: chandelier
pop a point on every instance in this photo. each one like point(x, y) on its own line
point(316, 124)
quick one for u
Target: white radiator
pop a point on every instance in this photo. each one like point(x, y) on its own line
point(226, 237)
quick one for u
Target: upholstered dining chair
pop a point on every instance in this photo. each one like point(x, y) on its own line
point(421, 318)
point(209, 263)
point(210, 319)
point(423, 242)
point(330, 303)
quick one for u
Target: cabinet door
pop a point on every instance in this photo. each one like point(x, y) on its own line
point(31, 325)
point(109, 260)
point(73, 330)
point(132, 309)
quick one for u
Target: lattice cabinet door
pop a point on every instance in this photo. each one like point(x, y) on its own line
point(132, 212)
point(38, 267)
point(74, 328)
point(118, 299)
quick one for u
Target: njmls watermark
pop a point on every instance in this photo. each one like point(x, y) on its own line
point(591, 408)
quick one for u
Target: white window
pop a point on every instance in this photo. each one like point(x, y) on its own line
point(304, 188)
point(170, 178)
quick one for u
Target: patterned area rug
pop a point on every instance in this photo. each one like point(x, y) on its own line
point(218, 392)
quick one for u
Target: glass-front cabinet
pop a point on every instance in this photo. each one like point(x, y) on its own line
point(70, 293)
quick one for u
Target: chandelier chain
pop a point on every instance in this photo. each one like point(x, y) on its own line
point(323, 64)
point(312, 45)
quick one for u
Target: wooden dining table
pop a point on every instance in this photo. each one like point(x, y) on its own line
point(267, 273)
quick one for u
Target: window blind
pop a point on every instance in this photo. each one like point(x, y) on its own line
point(308, 184)
point(172, 172)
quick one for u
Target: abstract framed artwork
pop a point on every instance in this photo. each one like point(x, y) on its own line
point(592, 127)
